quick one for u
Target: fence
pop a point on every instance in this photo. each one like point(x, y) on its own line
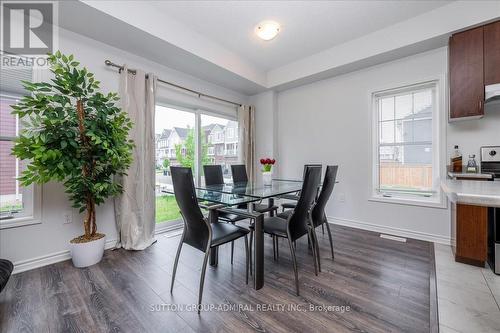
point(407, 176)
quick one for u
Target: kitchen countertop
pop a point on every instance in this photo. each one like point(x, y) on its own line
point(471, 192)
point(471, 175)
point(464, 174)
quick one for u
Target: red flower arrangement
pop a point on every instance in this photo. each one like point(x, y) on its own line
point(267, 164)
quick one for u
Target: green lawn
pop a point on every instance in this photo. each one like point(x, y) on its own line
point(166, 209)
point(6, 208)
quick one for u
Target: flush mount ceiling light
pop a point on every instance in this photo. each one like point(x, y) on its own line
point(267, 30)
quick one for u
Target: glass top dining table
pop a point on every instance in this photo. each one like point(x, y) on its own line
point(243, 193)
point(230, 195)
point(256, 190)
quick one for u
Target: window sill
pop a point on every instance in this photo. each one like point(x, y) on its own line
point(435, 202)
point(19, 222)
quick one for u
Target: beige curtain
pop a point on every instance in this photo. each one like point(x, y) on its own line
point(246, 124)
point(135, 208)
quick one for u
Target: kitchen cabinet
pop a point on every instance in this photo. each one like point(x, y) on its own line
point(492, 53)
point(469, 234)
point(466, 74)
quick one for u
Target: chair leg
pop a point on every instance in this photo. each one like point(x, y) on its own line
point(313, 247)
point(330, 238)
point(323, 229)
point(232, 252)
point(247, 261)
point(274, 247)
point(232, 246)
point(294, 260)
point(316, 245)
point(202, 279)
point(175, 264)
point(277, 248)
point(250, 247)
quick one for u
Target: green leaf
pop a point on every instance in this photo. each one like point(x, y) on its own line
point(50, 141)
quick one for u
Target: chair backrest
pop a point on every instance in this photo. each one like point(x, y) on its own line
point(239, 172)
point(299, 220)
point(310, 165)
point(318, 213)
point(213, 175)
point(196, 228)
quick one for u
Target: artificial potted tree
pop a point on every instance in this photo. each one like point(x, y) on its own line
point(77, 135)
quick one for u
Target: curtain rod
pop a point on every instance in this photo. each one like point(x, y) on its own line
point(200, 94)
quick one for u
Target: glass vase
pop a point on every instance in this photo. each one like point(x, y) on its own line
point(267, 177)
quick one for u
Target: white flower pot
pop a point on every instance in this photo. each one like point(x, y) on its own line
point(87, 254)
point(267, 178)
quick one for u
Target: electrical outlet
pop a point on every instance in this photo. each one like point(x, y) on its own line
point(342, 197)
point(68, 217)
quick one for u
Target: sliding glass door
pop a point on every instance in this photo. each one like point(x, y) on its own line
point(190, 138)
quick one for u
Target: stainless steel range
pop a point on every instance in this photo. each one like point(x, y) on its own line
point(490, 163)
point(490, 160)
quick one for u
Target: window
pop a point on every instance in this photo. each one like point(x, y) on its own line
point(406, 154)
point(17, 203)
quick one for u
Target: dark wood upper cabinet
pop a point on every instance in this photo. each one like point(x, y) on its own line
point(466, 74)
point(492, 53)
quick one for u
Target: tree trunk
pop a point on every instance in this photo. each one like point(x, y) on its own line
point(89, 223)
point(94, 225)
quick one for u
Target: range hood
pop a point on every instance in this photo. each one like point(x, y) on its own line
point(492, 94)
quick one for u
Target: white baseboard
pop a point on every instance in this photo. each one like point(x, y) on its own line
point(390, 230)
point(52, 258)
point(26, 265)
point(167, 228)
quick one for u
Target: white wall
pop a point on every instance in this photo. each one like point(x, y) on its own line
point(330, 122)
point(266, 127)
point(470, 135)
point(26, 245)
point(327, 121)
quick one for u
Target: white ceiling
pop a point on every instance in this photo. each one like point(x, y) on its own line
point(308, 27)
point(214, 40)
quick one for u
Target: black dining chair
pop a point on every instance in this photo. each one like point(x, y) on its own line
point(198, 231)
point(318, 214)
point(6, 268)
point(295, 197)
point(240, 176)
point(298, 224)
point(214, 176)
point(239, 172)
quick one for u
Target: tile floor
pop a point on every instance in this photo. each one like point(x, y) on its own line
point(468, 296)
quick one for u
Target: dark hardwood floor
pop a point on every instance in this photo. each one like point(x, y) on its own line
point(382, 285)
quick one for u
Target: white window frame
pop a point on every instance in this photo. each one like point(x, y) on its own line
point(198, 112)
point(32, 194)
point(437, 200)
